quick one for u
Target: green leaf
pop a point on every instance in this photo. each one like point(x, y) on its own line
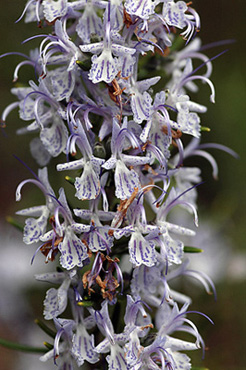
point(14, 223)
point(45, 328)
point(21, 347)
point(188, 249)
point(199, 368)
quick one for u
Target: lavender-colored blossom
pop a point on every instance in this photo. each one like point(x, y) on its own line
point(129, 128)
point(105, 67)
point(88, 185)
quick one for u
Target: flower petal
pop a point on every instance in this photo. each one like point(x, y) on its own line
point(174, 13)
point(125, 180)
point(83, 346)
point(73, 251)
point(55, 138)
point(56, 300)
point(62, 83)
point(54, 9)
point(88, 185)
point(141, 251)
point(89, 24)
point(35, 228)
point(104, 68)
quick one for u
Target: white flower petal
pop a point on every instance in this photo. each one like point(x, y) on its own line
point(142, 252)
point(89, 24)
point(174, 13)
point(83, 346)
point(56, 301)
point(35, 228)
point(125, 180)
point(104, 68)
point(62, 83)
point(55, 138)
point(54, 9)
point(88, 185)
point(73, 251)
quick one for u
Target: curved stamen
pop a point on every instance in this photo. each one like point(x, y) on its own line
point(120, 278)
point(25, 9)
point(203, 278)
point(175, 202)
point(125, 132)
point(219, 146)
point(16, 71)
point(181, 152)
point(14, 53)
point(56, 343)
point(203, 78)
point(7, 110)
point(217, 43)
point(35, 36)
point(35, 253)
point(206, 62)
point(210, 159)
point(38, 183)
point(60, 210)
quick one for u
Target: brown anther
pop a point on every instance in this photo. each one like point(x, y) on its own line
point(122, 209)
point(109, 259)
point(148, 168)
point(85, 278)
point(175, 134)
point(51, 23)
point(101, 283)
point(93, 222)
point(145, 145)
point(115, 91)
point(122, 78)
point(189, 3)
point(111, 232)
point(163, 53)
point(127, 18)
point(2, 123)
point(149, 326)
point(87, 246)
point(43, 75)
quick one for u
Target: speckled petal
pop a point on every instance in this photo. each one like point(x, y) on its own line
point(141, 251)
point(62, 83)
point(141, 106)
point(116, 360)
point(174, 13)
point(125, 181)
point(55, 137)
point(35, 228)
point(56, 301)
point(104, 68)
point(88, 185)
point(89, 24)
point(54, 9)
point(83, 346)
point(140, 8)
point(73, 251)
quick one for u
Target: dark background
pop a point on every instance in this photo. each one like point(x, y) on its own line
point(223, 202)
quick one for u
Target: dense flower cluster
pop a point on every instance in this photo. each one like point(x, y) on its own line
point(97, 99)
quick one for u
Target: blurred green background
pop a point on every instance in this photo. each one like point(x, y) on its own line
point(223, 202)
